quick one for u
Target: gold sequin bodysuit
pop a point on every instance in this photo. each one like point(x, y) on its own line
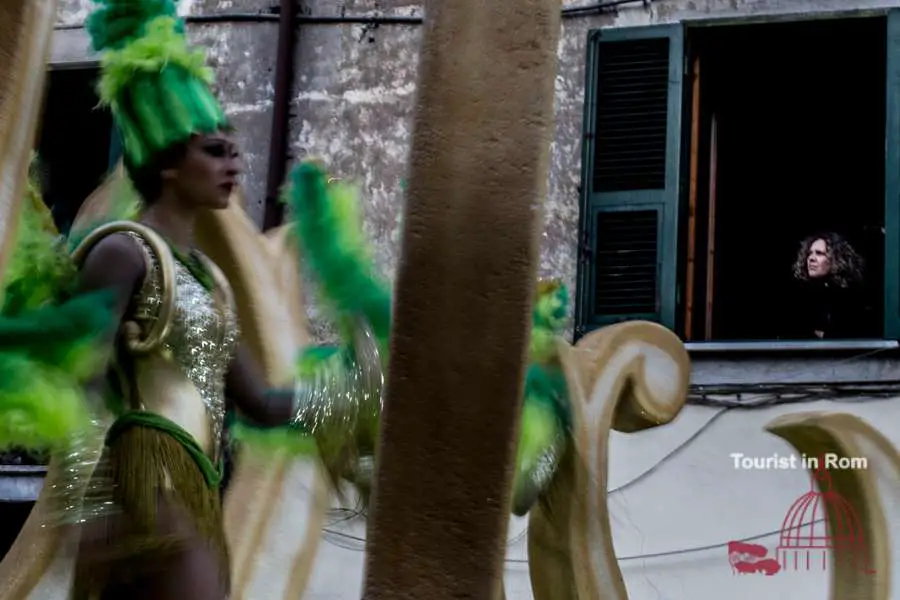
point(185, 379)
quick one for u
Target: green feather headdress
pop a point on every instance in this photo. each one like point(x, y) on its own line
point(156, 86)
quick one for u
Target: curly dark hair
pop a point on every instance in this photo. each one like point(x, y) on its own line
point(847, 265)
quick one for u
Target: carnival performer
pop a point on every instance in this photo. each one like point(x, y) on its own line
point(177, 349)
point(169, 313)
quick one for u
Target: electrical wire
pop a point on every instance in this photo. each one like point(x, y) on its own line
point(795, 389)
point(356, 543)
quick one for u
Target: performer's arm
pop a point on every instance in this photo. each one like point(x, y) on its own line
point(245, 385)
point(116, 264)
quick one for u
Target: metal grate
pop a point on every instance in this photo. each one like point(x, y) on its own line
point(625, 264)
point(632, 115)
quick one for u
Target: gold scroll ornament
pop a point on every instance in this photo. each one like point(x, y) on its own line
point(634, 376)
point(630, 377)
point(275, 506)
point(26, 29)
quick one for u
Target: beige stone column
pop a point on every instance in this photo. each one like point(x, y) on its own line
point(478, 173)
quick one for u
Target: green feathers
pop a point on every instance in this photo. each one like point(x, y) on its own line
point(61, 336)
point(49, 347)
point(117, 22)
point(333, 243)
point(156, 86)
point(546, 412)
point(548, 319)
point(545, 382)
point(39, 267)
point(161, 47)
point(40, 407)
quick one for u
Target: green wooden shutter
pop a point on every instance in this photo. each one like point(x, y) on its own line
point(892, 182)
point(631, 176)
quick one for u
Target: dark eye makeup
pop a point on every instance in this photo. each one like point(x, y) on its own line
point(220, 149)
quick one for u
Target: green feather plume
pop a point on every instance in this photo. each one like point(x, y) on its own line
point(545, 381)
point(546, 412)
point(333, 244)
point(49, 346)
point(46, 357)
point(115, 23)
point(40, 407)
point(39, 268)
point(275, 439)
point(65, 336)
point(548, 319)
point(162, 46)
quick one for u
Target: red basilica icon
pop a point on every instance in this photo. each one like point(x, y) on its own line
point(819, 523)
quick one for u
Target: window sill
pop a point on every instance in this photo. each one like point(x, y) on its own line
point(767, 347)
point(800, 362)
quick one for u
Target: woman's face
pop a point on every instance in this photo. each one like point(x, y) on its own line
point(818, 262)
point(208, 173)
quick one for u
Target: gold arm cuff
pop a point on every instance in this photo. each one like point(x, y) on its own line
point(160, 328)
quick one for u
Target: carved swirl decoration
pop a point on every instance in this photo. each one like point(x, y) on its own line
point(632, 376)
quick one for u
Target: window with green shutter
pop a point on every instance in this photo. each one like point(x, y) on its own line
point(710, 153)
point(630, 187)
point(892, 181)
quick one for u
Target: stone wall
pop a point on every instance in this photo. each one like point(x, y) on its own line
point(354, 91)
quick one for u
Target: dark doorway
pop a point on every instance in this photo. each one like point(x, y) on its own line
point(74, 142)
point(797, 112)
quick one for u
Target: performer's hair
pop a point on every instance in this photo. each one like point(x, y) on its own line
point(147, 179)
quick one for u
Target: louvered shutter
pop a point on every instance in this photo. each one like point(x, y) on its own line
point(631, 176)
point(892, 182)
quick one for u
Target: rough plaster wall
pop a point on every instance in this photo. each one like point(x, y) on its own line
point(354, 95)
point(356, 113)
point(243, 56)
point(354, 92)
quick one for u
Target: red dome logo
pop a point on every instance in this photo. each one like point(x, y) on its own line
point(819, 523)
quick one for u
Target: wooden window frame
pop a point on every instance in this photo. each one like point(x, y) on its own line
point(670, 283)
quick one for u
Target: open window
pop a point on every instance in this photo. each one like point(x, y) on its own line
point(76, 144)
point(711, 153)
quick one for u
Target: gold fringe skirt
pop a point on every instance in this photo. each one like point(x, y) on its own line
point(166, 514)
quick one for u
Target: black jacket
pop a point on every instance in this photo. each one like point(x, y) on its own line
point(822, 305)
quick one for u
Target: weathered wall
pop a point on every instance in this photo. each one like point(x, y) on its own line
point(243, 55)
point(354, 95)
point(354, 91)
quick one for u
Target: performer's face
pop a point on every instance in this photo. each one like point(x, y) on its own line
point(208, 173)
point(818, 263)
